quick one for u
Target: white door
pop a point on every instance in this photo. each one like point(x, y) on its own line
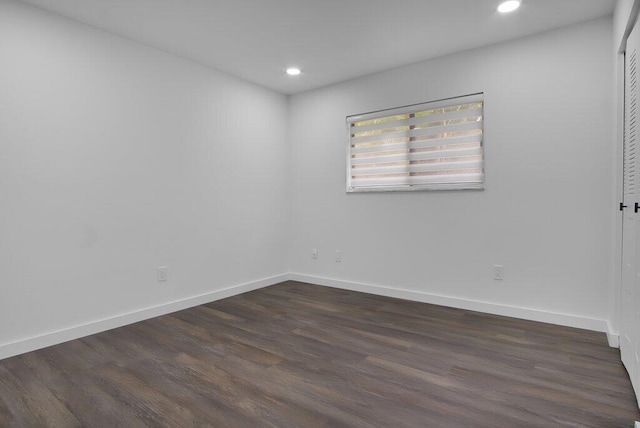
point(630, 299)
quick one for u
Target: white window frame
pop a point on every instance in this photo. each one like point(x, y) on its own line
point(471, 179)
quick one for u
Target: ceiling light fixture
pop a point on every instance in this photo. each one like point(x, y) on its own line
point(293, 71)
point(509, 6)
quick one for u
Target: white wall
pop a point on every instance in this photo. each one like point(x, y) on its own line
point(116, 158)
point(546, 212)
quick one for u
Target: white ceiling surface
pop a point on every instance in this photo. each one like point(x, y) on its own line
point(330, 40)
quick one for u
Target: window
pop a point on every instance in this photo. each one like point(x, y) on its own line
point(430, 146)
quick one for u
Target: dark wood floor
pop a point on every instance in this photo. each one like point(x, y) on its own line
point(297, 355)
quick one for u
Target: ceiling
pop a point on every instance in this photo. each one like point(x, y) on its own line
point(330, 40)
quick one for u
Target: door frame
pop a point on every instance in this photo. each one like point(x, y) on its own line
point(618, 192)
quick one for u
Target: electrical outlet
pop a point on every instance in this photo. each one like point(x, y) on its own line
point(338, 256)
point(498, 272)
point(163, 273)
point(314, 253)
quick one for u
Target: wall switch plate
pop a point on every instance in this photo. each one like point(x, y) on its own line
point(163, 273)
point(314, 253)
point(498, 272)
point(338, 256)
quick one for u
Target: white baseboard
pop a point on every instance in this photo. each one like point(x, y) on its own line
point(53, 338)
point(60, 336)
point(613, 338)
point(455, 302)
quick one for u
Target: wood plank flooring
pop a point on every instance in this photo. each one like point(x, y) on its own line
point(298, 355)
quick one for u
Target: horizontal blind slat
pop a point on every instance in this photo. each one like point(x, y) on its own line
point(417, 132)
point(470, 151)
point(435, 142)
point(443, 166)
point(474, 112)
point(477, 178)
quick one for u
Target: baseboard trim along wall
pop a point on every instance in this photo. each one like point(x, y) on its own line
point(613, 338)
point(53, 338)
point(472, 305)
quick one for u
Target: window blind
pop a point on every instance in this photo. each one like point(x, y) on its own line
point(430, 146)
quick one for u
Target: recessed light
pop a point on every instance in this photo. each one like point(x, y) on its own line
point(293, 71)
point(509, 6)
